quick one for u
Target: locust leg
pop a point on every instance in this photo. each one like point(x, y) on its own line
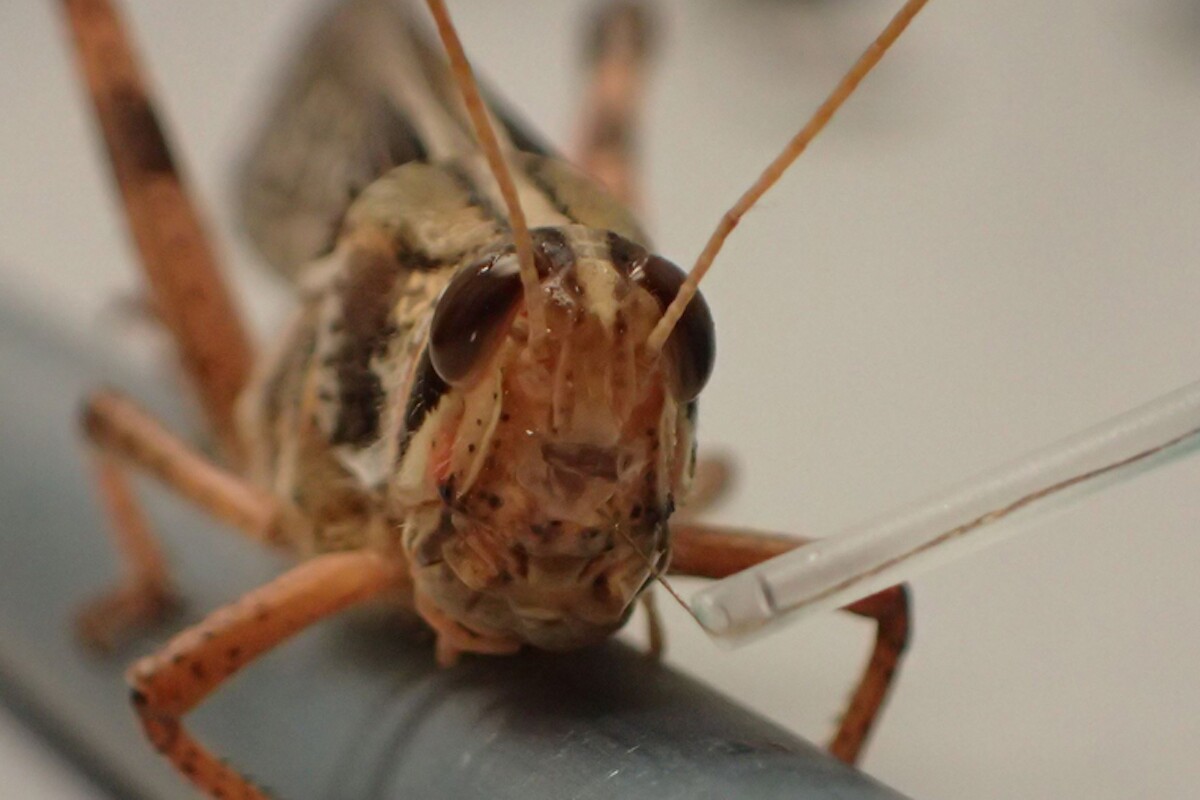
point(617, 49)
point(713, 552)
point(173, 681)
point(184, 277)
point(122, 436)
point(655, 635)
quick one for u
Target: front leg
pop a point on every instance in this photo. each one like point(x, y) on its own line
point(122, 437)
point(173, 681)
point(712, 552)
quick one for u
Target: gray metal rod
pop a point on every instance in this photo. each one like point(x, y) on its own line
point(355, 708)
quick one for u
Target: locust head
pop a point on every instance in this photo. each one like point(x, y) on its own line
point(558, 456)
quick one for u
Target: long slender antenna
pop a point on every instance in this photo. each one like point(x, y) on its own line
point(657, 574)
point(772, 173)
point(465, 79)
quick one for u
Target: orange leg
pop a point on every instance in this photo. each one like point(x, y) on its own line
point(173, 681)
point(713, 552)
point(617, 52)
point(180, 267)
point(124, 436)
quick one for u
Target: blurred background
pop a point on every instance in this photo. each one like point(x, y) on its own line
point(996, 243)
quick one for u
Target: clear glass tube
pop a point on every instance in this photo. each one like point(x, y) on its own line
point(865, 558)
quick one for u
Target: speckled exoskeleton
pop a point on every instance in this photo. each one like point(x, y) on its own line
point(484, 407)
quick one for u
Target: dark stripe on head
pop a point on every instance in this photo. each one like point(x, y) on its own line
point(367, 296)
point(532, 168)
point(474, 195)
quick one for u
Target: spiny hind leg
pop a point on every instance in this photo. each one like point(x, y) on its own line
point(712, 552)
point(617, 50)
point(173, 681)
point(122, 437)
point(183, 274)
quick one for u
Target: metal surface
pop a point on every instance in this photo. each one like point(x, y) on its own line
point(355, 708)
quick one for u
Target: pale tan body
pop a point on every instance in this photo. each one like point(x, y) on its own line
point(521, 570)
point(344, 526)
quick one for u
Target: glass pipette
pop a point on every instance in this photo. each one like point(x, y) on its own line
point(863, 559)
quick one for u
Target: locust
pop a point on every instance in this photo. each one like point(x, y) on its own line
point(483, 409)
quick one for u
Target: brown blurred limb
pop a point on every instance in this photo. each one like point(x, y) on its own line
point(173, 681)
point(183, 272)
point(618, 48)
point(123, 437)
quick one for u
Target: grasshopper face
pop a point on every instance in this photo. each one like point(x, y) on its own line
point(556, 462)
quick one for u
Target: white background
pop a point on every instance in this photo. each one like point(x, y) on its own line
point(994, 245)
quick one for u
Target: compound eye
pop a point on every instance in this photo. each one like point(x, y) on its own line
point(472, 315)
point(692, 345)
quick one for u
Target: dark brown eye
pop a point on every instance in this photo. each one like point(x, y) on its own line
point(692, 345)
point(471, 316)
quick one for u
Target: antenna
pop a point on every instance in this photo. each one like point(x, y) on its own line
point(465, 79)
point(775, 170)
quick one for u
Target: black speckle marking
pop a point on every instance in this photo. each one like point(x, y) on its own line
point(366, 305)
